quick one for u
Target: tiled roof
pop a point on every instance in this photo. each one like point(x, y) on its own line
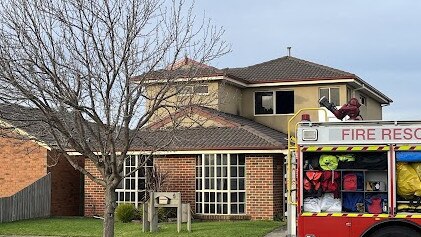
point(287, 69)
point(241, 134)
point(28, 120)
point(278, 70)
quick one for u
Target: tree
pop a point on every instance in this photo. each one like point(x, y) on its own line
point(87, 67)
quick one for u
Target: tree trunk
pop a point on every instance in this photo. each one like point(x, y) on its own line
point(110, 205)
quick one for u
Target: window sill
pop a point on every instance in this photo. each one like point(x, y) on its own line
point(222, 216)
point(267, 115)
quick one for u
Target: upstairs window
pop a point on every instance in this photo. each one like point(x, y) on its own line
point(332, 94)
point(200, 89)
point(263, 102)
point(284, 102)
point(274, 102)
point(363, 100)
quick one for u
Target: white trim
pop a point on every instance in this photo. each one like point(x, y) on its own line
point(291, 83)
point(196, 152)
point(183, 79)
point(294, 83)
point(381, 97)
point(24, 133)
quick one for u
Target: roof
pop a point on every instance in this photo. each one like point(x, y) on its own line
point(239, 133)
point(287, 69)
point(284, 69)
point(281, 69)
point(28, 120)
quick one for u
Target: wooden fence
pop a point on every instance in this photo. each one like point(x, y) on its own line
point(33, 201)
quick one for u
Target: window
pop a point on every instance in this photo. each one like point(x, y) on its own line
point(220, 184)
point(348, 94)
point(363, 100)
point(265, 103)
point(201, 89)
point(332, 94)
point(284, 102)
point(132, 189)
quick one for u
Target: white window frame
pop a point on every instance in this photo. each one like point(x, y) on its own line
point(330, 94)
point(191, 90)
point(273, 103)
point(121, 192)
point(201, 192)
point(362, 97)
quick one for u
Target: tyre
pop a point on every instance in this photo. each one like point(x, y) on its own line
point(394, 231)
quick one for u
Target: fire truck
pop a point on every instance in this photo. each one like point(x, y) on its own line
point(367, 192)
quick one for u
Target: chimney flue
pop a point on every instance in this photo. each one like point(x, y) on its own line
point(289, 51)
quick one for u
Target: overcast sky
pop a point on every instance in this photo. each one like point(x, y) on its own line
point(378, 40)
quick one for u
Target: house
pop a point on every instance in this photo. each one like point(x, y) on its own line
point(228, 162)
point(25, 158)
point(227, 154)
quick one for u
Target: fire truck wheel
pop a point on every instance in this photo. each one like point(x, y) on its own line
point(391, 231)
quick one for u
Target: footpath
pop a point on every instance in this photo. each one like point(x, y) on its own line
point(280, 232)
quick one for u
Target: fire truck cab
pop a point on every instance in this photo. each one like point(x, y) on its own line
point(355, 179)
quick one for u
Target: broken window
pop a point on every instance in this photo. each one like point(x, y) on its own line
point(284, 102)
point(263, 102)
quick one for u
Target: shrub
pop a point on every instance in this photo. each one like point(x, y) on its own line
point(125, 212)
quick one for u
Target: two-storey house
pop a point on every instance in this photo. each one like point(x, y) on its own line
point(227, 154)
point(228, 162)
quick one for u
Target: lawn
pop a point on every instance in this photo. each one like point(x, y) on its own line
point(93, 227)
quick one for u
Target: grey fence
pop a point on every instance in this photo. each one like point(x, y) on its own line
point(33, 201)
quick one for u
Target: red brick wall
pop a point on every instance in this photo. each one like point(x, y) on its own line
point(263, 186)
point(181, 172)
point(278, 197)
point(66, 186)
point(94, 193)
point(21, 163)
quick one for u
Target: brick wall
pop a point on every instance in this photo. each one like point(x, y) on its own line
point(263, 186)
point(66, 186)
point(21, 163)
point(278, 197)
point(94, 193)
point(181, 176)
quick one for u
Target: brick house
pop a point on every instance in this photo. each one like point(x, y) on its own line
point(23, 160)
point(227, 158)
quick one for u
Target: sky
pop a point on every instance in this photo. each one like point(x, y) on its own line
point(378, 40)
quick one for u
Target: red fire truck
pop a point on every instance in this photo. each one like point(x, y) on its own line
point(361, 195)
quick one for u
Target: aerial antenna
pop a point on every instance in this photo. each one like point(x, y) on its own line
point(289, 51)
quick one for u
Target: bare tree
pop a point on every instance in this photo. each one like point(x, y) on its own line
point(86, 66)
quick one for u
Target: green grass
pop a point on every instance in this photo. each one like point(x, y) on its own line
point(93, 227)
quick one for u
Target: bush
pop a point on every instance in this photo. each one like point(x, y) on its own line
point(125, 212)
